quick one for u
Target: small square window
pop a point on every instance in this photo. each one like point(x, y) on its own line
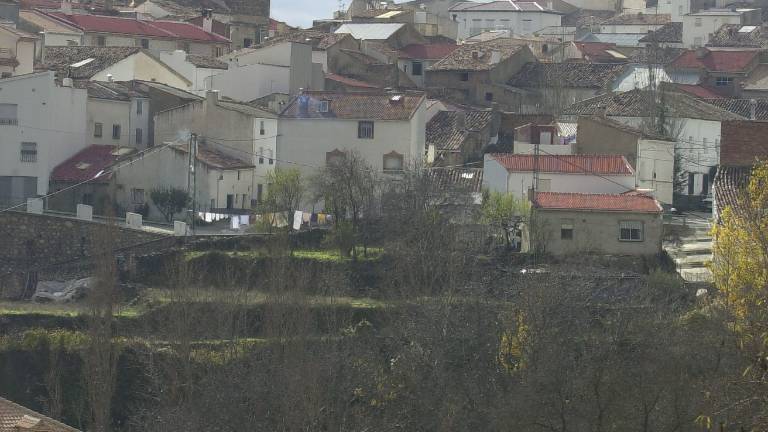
point(28, 152)
point(97, 130)
point(365, 130)
point(323, 106)
point(139, 107)
point(417, 68)
point(723, 81)
point(697, 22)
point(464, 76)
point(101, 41)
point(262, 131)
point(144, 43)
point(489, 97)
point(566, 229)
point(137, 196)
point(631, 231)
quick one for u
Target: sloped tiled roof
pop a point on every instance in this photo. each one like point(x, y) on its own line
point(729, 35)
point(241, 7)
point(607, 121)
point(569, 75)
point(244, 108)
point(659, 56)
point(206, 62)
point(599, 52)
point(716, 60)
point(135, 27)
point(729, 185)
point(214, 158)
point(586, 17)
point(62, 58)
point(370, 31)
point(86, 164)
point(427, 51)
point(349, 82)
point(457, 179)
point(478, 56)
point(111, 90)
point(636, 103)
point(634, 203)
point(317, 39)
point(501, 6)
point(443, 133)
point(671, 32)
point(566, 164)
point(362, 106)
point(16, 418)
point(638, 19)
point(743, 142)
point(698, 91)
point(742, 107)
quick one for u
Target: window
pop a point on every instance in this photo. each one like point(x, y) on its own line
point(566, 229)
point(144, 43)
point(262, 131)
point(6, 75)
point(139, 107)
point(691, 183)
point(137, 196)
point(269, 157)
point(365, 130)
point(9, 114)
point(705, 184)
point(393, 161)
point(723, 81)
point(259, 192)
point(238, 175)
point(101, 41)
point(230, 201)
point(323, 107)
point(116, 131)
point(218, 51)
point(697, 22)
point(28, 152)
point(97, 130)
point(247, 42)
point(417, 69)
point(544, 48)
point(87, 199)
point(464, 76)
point(631, 231)
point(261, 155)
point(139, 136)
point(334, 156)
point(489, 97)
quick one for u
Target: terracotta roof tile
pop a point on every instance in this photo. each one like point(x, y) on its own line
point(634, 203)
point(457, 179)
point(86, 164)
point(698, 90)
point(427, 51)
point(742, 107)
point(15, 418)
point(716, 60)
point(62, 58)
point(477, 56)
point(671, 32)
point(743, 142)
point(443, 133)
point(569, 75)
point(213, 158)
point(729, 185)
point(349, 82)
point(566, 164)
point(362, 106)
point(206, 62)
point(728, 35)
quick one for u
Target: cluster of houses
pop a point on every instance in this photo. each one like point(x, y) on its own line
point(600, 112)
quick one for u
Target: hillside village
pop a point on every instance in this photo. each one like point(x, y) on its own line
point(335, 224)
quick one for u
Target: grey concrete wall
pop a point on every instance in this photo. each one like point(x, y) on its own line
point(598, 138)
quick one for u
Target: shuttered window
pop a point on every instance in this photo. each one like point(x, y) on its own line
point(630, 231)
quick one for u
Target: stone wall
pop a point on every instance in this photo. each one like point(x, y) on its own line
point(31, 239)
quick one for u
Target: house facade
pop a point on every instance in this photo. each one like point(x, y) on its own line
point(42, 123)
point(725, 71)
point(514, 173)
point(699, 26)
point(17, 51)
point(118, 115)
point(614, 224)
point(387, 129)
point(523, 17)
point(415, 59)
point(197, 69)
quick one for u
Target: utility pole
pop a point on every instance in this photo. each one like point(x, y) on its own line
point(190, 216)
point(193, 154)
point(534, 189)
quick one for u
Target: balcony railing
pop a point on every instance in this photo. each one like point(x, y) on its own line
point(9, 122)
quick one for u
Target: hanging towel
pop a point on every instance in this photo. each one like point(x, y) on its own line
point(297, 219)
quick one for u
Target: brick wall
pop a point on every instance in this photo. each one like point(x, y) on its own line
point(742, 142)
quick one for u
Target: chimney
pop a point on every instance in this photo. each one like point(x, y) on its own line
point(461, 120)
point(701, 52)
point(753, 109)
point(208, 20)
point(66, 7)
point(495, 57)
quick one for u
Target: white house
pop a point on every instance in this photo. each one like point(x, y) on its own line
point(42, 123)
point(234, 129)
point(699, 26)
point(256, 72)
point(17, 51)
point(387, 129)
point(522, 17)
point(513, 173)
point(111, 64)
point(117, 115)
point(197, 69)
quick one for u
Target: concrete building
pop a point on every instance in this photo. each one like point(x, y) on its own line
point(83, 63)
point(434, 10)
point(196, 69)
point(281, 68)
point(477, 74)
point(325, 47)
point(387, 129)
point(513, 173)
point(42, 123)
point(699, 26)
point(677, 9)
point(415, 59)
point(613, 224)
point(53, 32)
point(17, 51)
point(521, 18)
point(651, 156)
point(234, 129)
point(726, 71)
point(118, 115)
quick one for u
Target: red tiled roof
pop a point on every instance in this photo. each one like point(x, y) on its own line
point(596, 51)
point(159, 29)
point(636, 203)
point(351, 82)
point(716, 60)
point(15, 418)
point(86, 164)
point(427, 51)
point(566, 164)
point(699, 91)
